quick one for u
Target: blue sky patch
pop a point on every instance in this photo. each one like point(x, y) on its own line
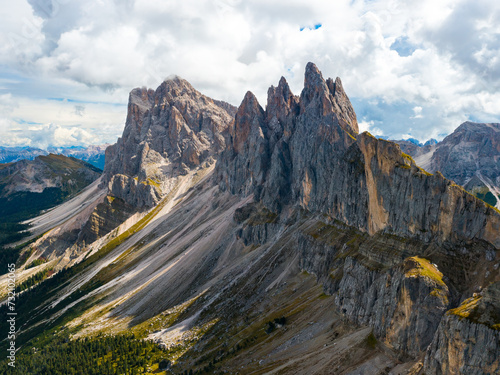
point(403, 46)
point(315, 27)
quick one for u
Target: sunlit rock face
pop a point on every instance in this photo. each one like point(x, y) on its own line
point(168, 132)
point(305, 150)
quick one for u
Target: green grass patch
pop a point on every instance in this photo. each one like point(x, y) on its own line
point(424, 268)
point(466, 308)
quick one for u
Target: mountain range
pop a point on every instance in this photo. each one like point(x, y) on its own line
point(91, 154)
point(28, 187)
point(470, 156)
point(272, 240)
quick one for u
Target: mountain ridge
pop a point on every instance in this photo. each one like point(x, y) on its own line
point(93, 154)
point(280, 240)
point(470, 156)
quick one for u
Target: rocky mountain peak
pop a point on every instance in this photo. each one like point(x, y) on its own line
point(310, 157)
point(326, 99)
point(342, 104)
point(281, 102)
point(140, 101)
point(168, 132)
point(175, 87)
point(249, 121)
point(315, 91)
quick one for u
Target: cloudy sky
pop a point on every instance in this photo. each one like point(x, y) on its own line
point(411, 68)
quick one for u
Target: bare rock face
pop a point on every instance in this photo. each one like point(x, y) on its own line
point(108, 214)
point(303, 150)
point(404, 305)
point(167, 133)
point(468, 338)
point(471, 147)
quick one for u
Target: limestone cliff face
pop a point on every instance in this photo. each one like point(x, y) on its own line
point(468, 338)
point(403, 306)
point(305, 150)
point(463, 347)
point(167, 133)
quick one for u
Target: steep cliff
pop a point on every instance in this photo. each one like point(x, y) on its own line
point(303, 150)
point(468, 338)
point(168, 132)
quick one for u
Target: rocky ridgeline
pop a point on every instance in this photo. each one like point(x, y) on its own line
point(305, 150)
point(381, 216)
point(167, 133)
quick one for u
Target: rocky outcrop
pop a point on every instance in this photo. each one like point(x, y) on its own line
point(106, 216)
point(303, 150)
point(403, 305)
point(167, 133)
point(468, 338)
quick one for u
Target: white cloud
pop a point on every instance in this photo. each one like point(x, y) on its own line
point(42, 123)
point(447, 68)
point(368, 126)
point(418, 112)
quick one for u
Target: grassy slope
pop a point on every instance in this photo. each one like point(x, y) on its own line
point(18, 207)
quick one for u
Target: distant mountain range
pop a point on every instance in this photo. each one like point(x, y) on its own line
point(470, 156)
point(91, 154)
point(28, 187)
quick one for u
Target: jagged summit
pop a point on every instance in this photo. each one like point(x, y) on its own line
point(327, 97)
point(209, 215)
point(302, 151)
point(168, 132)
